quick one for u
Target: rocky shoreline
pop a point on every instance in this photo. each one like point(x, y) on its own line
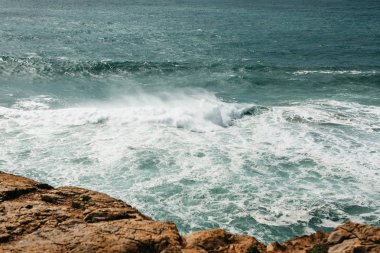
point(35, 217)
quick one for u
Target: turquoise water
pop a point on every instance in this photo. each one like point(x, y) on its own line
point(259, 117)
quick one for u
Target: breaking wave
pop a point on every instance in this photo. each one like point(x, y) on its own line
point(195, 112)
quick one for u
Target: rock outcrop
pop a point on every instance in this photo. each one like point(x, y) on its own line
point(35, 217)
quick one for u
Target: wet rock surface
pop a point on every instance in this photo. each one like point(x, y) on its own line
point(35, 217)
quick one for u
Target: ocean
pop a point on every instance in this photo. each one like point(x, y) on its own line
point(259, 117)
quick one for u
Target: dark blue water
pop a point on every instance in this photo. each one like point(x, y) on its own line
point(260, 117)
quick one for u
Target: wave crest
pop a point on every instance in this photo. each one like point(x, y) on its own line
point(195, 112)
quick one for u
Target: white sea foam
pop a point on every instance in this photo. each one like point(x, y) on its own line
point(41, 102)
point(336, 72)
point(334, 113)
point(194, 159)
point(202, 112)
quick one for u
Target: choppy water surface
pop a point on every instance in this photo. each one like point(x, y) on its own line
point(259, 117)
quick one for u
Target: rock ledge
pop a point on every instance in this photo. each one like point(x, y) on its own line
point(36, 217)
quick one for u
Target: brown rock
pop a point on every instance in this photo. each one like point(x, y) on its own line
point(35, 217)
point(301, 244)
point(4, 238)
point(354, 238)
point(109, 214)
point(218, 240)
point(12, 186)
point(38, 218)
point(52, 198)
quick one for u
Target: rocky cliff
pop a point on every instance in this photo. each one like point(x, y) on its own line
point(35, 217)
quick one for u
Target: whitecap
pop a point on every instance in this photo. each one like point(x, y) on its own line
point(336, 72)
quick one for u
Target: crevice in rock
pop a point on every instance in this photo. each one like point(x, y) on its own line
point(15, 193)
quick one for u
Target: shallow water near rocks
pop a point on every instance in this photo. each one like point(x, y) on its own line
point(259, 117)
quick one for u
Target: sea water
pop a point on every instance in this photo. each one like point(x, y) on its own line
point(259, 117)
